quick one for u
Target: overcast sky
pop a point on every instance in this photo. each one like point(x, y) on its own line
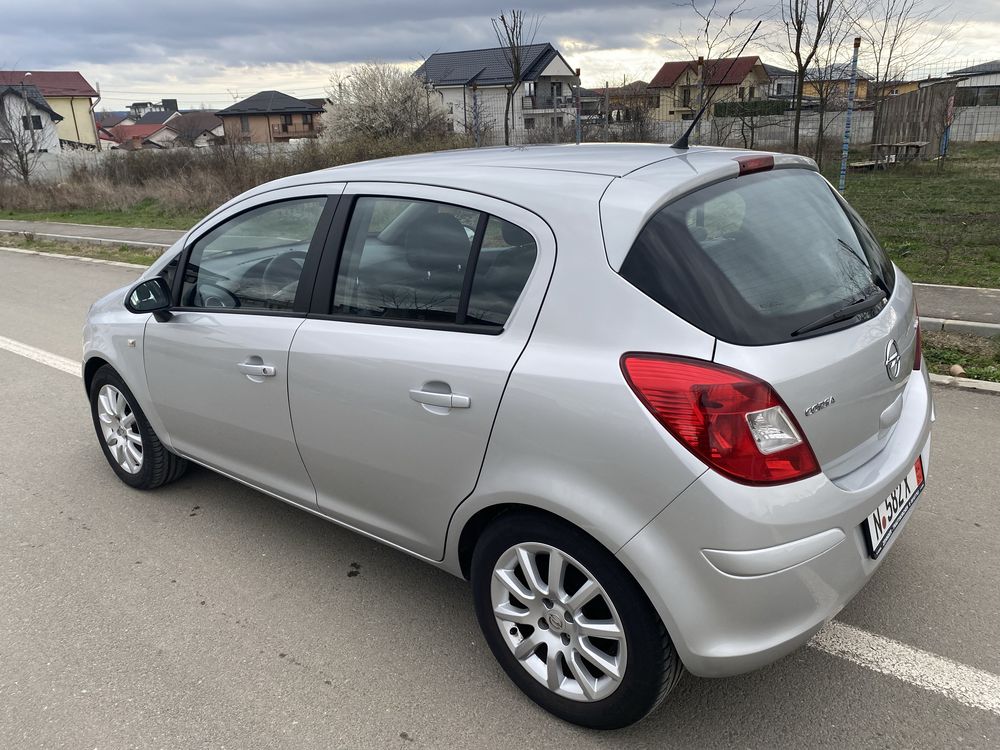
point(210, 53)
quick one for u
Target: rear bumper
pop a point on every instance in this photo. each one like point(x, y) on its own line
point(742, 576)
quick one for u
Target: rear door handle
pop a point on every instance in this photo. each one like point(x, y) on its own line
point(447, 400)
point(260, 371)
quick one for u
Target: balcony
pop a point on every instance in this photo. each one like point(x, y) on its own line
point(293, 130)
point(542, 102)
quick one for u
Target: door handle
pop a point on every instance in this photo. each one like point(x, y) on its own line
point(260, 371)
point(447, 400)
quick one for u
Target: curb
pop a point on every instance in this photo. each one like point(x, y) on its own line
point(967, 384)
point(82, 259)
point(989, 330)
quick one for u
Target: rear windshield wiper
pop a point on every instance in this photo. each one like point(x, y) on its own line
point(847, 311)
point(875, 277)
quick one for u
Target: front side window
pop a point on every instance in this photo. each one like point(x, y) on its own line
point(757, 259)
point(253, 261)
point(431, 263)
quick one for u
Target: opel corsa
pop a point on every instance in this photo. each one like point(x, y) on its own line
point(664, 408)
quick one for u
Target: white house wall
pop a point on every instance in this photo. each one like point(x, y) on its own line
point(46, 139)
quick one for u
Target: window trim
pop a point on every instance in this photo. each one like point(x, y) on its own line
point(325, 286)
point(303, 293)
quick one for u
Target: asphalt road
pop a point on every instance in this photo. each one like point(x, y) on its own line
point(208, 615)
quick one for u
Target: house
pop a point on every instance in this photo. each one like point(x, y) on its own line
point(626, 100)
point(27, 123)
point(138, 110)
point(134, 137)
point(680, 84)
point(107, 119)
point(980, 85)
point(69, 95)
point(270, 117)
point(478, 78)
point(832, 83)
point(191, 129)
point(781, 84)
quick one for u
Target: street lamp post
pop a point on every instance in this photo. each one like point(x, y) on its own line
point(27, 112)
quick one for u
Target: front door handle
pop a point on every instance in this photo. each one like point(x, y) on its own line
point(447, 400)
point(260, 371)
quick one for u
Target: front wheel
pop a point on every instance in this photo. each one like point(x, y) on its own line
point(569, 624)
point(133, 450)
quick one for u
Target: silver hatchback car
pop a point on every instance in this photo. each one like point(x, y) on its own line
point(662, 407)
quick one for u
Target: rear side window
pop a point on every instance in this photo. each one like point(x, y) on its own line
point(754, 259)
point(432, 263)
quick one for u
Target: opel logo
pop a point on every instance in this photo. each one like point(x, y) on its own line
point(892, 359)
point(555, 621)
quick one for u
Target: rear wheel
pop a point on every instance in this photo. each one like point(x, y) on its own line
point(131, 447)
point(569, 624)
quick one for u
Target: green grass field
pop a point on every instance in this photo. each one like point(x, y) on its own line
point(937, 220)
point(979, 356)
point(148, 214)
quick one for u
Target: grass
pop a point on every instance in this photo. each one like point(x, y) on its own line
point(937, 220)
point(978, 356)
point(147, 213)
point(121, 253)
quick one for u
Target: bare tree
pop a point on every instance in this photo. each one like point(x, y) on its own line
point(805, 23)
point(830, 88)
point(716, 34)
point(384, 101)
point(899, 36)
point(515, 33)
point(20, 135)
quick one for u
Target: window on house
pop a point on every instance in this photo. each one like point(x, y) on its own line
point(743, 93)
point(751, 93)
point(286, 119)
point(557, 88)
point(529, 123)
point(307, 119)
point(451, 108)
point(529, 88)
point(686, 96)
point(32, 123)
point(777, 88)
point(244, 124)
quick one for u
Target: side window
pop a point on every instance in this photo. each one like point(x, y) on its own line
point(504, 264)
point(413, 260)
point(254, 260)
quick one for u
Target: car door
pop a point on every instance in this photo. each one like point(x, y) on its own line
point(217, 369)
point(396, 377)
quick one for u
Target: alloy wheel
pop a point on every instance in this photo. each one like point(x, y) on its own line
point(120, 428)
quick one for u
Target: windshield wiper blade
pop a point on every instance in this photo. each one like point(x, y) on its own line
point(844, 313)
point(875, 277)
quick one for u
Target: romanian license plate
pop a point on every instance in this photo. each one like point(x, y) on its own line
point(881, 524)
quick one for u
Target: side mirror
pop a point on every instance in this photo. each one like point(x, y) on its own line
point(150, 295)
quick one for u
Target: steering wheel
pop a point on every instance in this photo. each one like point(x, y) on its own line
point(282, 271)
point(213, 296)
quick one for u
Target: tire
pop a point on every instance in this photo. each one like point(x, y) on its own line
point(584, 693)
point(132, 449)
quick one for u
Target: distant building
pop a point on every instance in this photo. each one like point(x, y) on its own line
point(543, 99)
point(980, 86)
point(69, 95)
point(138, 110)
point(680, 84)
point(27, 122)
point(270, 117)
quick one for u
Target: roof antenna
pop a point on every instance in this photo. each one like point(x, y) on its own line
point(682, 142)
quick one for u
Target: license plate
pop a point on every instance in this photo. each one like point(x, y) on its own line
point(881, 524)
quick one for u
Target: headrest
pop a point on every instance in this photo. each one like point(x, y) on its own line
point(437, 243)
point(514, 235)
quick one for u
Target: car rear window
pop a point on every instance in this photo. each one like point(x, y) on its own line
point(754, 259)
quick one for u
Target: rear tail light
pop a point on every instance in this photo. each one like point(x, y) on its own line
point(918, 352)
point(732, 421)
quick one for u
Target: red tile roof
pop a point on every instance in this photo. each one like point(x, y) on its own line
point(50, 82)
point(133, 132)
point(717, 72)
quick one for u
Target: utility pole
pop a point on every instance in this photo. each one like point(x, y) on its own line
point(607, 110)
point(845, 146)
point(578, 109)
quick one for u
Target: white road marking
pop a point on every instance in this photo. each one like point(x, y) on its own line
point(952, 286)
point(63, 256)
point(40, 355)
point(966, 685)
